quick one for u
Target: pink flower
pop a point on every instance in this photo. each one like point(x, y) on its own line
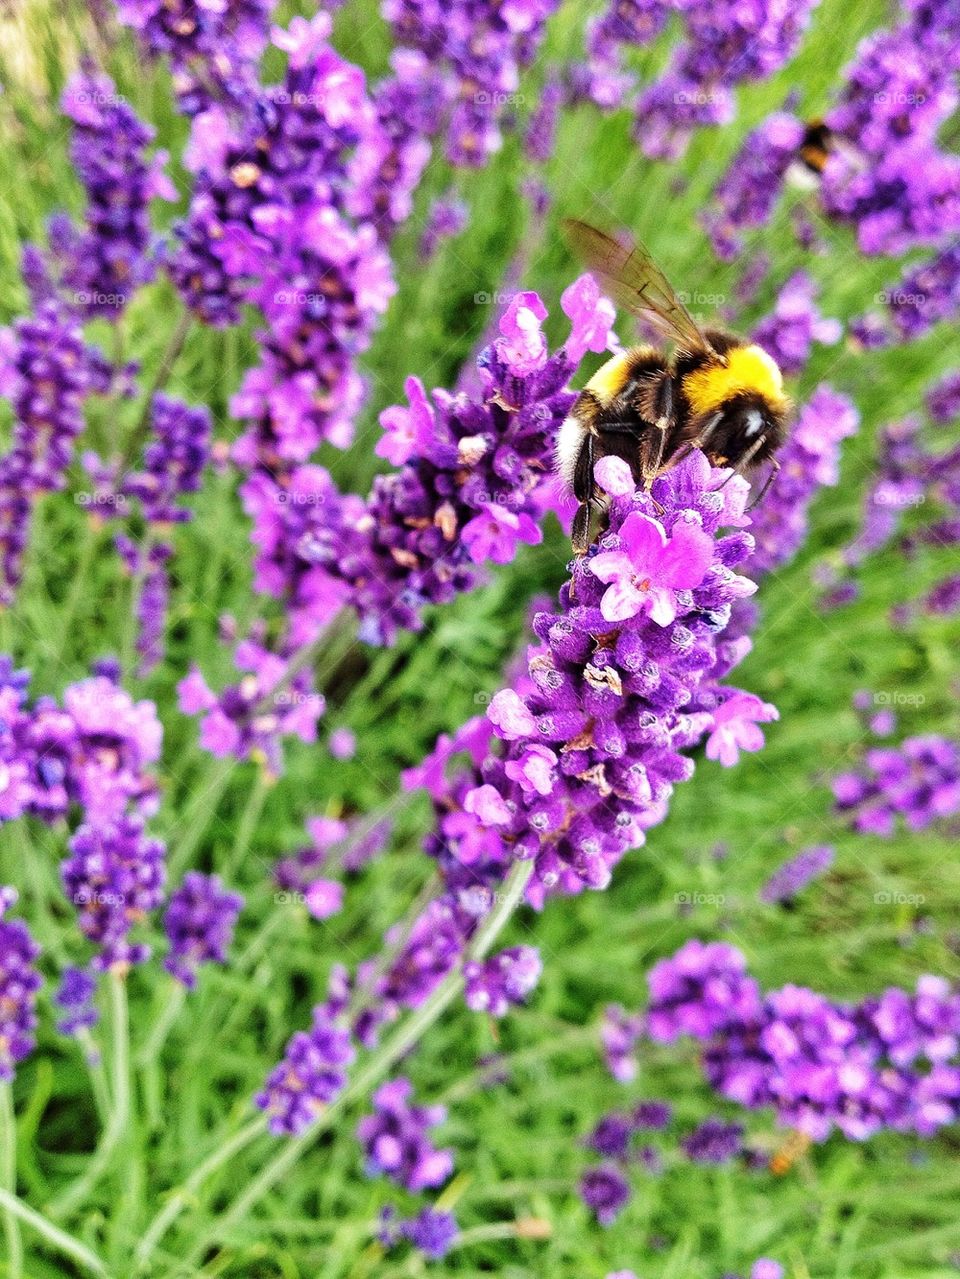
point(495, 532)
point(533, 770)
point(591, 317)
point(304, 39)
point(409, 431)
point(487, 805)
point(324, 898)
point(735, 727)
point(649, 568)
point(614, 476)
point(509, 715)
point(522, 344)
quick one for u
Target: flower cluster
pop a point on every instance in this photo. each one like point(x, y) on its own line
point(887, 1062)
point(115, 877)
point(112, 257)
point(919, 781)
point(199, 923)
point(480, 49)
point(593, 732)
point(250, 718)
point(789, 332)
point(808, 461)
point(747, 194)
point(890, 179)
point(95, 751)
point(75, 999)
point(506, 978)
point(431, 1232)
point(19, 983)
point(46, 371)
point(470, 481)
point(313, 1069)
point(723, 47)
point(396, 1142)
point(212, 48)
point(794, 875)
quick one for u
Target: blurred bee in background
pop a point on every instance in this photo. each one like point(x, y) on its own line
point(795, 1146)
point(715, 392)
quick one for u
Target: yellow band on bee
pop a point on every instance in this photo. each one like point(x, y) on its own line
point(748, 370)
point(610, 378)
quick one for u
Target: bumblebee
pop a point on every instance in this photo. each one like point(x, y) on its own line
point(817, 144)
point(715, 392)
point(795, 1146)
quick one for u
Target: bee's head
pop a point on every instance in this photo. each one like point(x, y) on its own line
point(748, 425)
point(736, 401)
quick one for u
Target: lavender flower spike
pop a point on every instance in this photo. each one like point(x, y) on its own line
point(199, 923)
point(395, 1139)
point(19, 983)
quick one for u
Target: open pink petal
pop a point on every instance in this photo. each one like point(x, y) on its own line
point(686, 558)
point(643, 539)
point(621, 600)
point(609, 565)
point(661, 605)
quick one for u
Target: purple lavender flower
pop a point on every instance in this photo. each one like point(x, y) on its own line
point(432, 1233)
point(700, 990)
point(212, 48)
point(313, 1071)
point(619, 1032)
point(46, 370)
point(75, 997)
point(747, 194)
point(652, 1114)
point(396, 1142)
point(114, 876)
point(19, 983)
point(808, 461)
point(482, 51)
point(111, 259)
point(471, 482)
point(605, 1192)
point(926, 294)
point(795, 874)
point(250, 718)
point(789, 332)
point(611, 1136)
point(943, 398)
point(713, 1142)
point(504, 979)
point(918, 781)
point(823, 1065)
point(173, 460)
point(447, 218)
point(199, 923)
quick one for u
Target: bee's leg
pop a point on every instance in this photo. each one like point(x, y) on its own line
point(698, 443)
point(774, 472)
point(744, 462)
point(583, 492)
point(661, 426)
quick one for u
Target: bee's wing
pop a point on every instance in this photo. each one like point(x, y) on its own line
point(633, 278)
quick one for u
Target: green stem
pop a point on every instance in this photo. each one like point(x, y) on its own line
point(379, 1063)
point(177, 340)
point(248, 824)
point(151, 1050)
point(91, 540)
point(119, 1121)
point(8, 1181)
point(187, 1192)
point(196, 821)
point(98, 1078)
point(53, 1234)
